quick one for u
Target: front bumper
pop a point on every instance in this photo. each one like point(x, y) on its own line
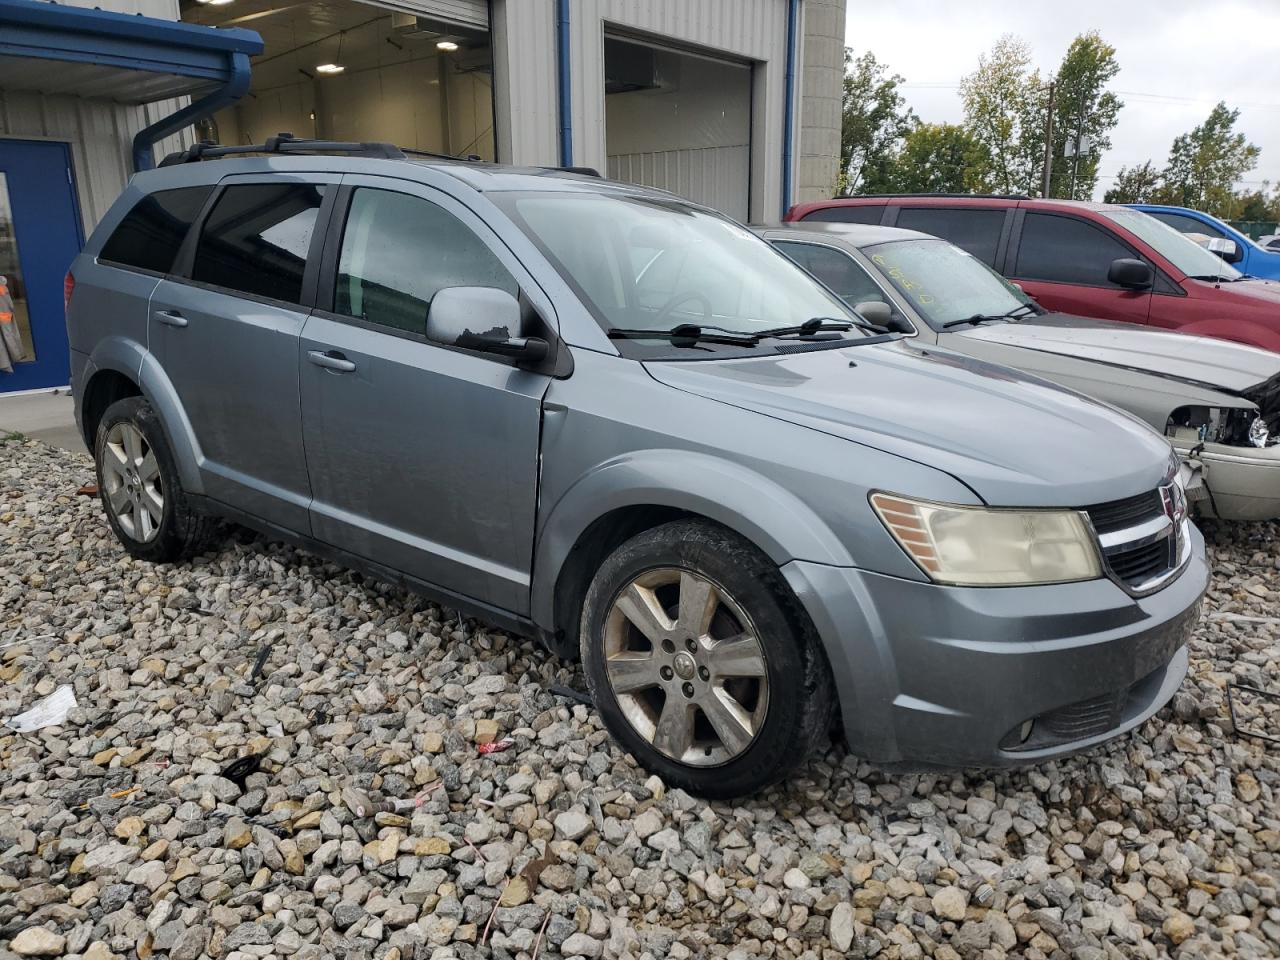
point(950, 675)
point(1240, 483)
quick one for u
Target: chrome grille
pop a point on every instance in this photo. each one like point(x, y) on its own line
point(1142, 537)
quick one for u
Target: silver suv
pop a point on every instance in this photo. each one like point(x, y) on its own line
point(600, 415)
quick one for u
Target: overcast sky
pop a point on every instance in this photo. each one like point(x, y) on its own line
point(1177, 59)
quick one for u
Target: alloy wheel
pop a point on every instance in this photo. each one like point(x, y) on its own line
point(131, 482)
point(687, 667)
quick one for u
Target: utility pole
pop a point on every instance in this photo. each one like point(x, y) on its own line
point(1075, 162)
point(1048, 144)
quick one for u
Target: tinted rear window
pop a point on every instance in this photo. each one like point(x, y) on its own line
point(151, 233)
point(859, 213)
point(256, 239)
point(977, 231)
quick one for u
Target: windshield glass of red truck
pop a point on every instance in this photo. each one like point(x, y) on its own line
point(665, 278)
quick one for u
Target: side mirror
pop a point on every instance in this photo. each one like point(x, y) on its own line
point(875, 311)
point(1134, 274)
point(1227, 249)
point(484, 319)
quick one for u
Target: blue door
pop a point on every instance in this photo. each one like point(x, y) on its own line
point(39, 237)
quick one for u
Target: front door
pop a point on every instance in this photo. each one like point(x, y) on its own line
point(39, 237)
point(422, 458)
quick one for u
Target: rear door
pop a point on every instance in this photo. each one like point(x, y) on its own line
point(423, 458)
point(1063, 261)
point(226, 328)
point(979, 230)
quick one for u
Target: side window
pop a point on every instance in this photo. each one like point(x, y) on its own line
point(853, 213)
point(398, 251)
point(150, 234)
point(1066, 250)
point(1185, 224)
point(977, 231)
point(837, 270)
point(256, 239)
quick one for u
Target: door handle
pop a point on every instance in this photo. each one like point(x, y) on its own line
point(171, 317)
point(331, 360)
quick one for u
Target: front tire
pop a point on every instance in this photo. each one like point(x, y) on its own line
point(139, 487)
point(702, 662)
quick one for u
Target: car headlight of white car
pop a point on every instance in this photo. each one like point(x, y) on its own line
point(991, 547)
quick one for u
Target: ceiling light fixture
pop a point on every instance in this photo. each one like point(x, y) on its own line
point(330, 68)
point(446, 45)
point(213, 3)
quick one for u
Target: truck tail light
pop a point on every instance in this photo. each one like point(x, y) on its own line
point(68, 288)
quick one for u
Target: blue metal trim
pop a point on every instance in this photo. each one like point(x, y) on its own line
point(788, 120)
point(564, 96)
point(107, 25)
point(49, 31)
point(235, 88)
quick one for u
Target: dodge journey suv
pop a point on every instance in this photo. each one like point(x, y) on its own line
point(596, 414)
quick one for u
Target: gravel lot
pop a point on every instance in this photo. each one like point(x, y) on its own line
point(1166, 842)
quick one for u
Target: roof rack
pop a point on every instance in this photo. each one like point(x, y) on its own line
point(968, 196)
point(283, 143)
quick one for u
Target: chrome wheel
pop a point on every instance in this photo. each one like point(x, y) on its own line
point(686, 666)
point(131, 482)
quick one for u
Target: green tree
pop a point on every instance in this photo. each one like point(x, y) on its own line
point(1205, 163)
point(939, 158)
point(1083, 109)
point(1258, 204)
point(875, 119)
point(1002, 99)
point(1140, 183)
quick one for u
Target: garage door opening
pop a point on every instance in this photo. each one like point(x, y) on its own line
point(344, 70)
point(679, 121)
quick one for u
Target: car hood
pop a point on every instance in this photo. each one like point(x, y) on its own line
point(1258, 293)
point(1213, 363)
point(1014, 440)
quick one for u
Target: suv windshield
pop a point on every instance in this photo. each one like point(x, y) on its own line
point(947, 285)
point(1185, 254)
point(649, 263)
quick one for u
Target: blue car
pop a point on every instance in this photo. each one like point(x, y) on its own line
point(1248, 258)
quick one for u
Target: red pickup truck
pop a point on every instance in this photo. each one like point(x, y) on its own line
point(1088, 259)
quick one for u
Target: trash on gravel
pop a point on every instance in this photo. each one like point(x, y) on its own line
point(362, 805)
point(50, 712)
point(569, 693)
point(88, 490)
point(496, 747)
point(238, 771)
point(1243, 698)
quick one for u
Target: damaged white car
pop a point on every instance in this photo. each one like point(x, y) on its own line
point(1217, 402)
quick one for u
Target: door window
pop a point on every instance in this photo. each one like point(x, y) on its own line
point(1066, 250)
point(977, 231)
point(398, 251)
point(835, 269)
point(16, 344)
point(255, 239)
point(151, 233)
point(1186, 224)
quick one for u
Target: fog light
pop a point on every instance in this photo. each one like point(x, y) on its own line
point(1258, 432)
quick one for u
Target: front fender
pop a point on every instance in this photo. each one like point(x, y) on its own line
point(131, 359)
point(771, 517)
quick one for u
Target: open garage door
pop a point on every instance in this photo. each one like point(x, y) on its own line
point(679, 121)
point(346, 70)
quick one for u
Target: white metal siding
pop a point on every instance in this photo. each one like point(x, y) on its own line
point(524, 81)
point(100, 134)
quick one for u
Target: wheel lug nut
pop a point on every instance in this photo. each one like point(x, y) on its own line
point(704, 673)
point(688, 689)
point(691, 644)
point(667, 673)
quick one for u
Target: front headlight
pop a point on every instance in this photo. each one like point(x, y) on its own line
point(983, 547)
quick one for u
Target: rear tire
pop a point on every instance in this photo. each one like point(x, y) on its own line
point(139, 487)
point(702, 662)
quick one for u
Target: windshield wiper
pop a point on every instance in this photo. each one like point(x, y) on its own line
point(978, 318)
point(685, 335)
point(817, 325)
